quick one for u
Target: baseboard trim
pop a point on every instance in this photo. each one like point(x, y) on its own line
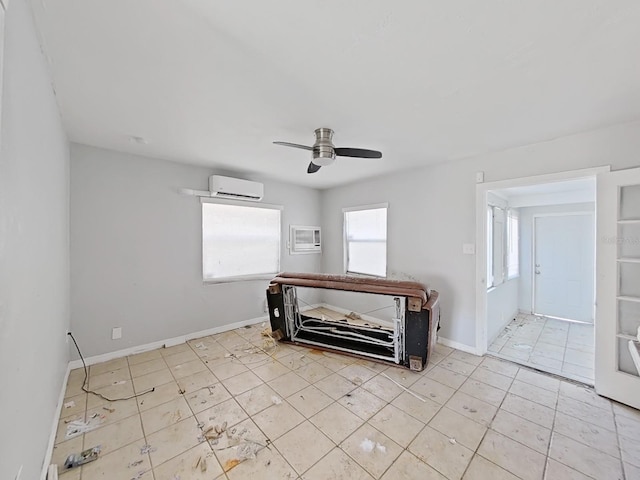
point(54, 428)
point(459, 346)
point(169, 342)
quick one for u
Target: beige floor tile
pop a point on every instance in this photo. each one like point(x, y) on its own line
point(268, 465)
point(228, 448)
point(188, 368)
point(463, 368)
point(628, 426)
point(290, 445)
point(144, 368)
point(583, 432)
point(111, 377)
point(382, 387)
point(631, 471)
point(443, 350)
point(161, 394)
point(356, 374)
point(446, 377)
point(121, 464)
point(110, 412)
point(496, 380)
point(71, 474)
point(482, 469)
point(544, 363)
point(197, 381)
point(512, 456)
point(116, 435)
point(584, 374)
point(241, 383)
point(62, 450)
point(152, 380)
point(336, 386)
point(403, 376)
point(538, 379)
point(399, 426)
point(288, 384)
point(585, 395)
point(180, 348)
point(432, 390)
point(517, 428)
point(621, 410)
point(409, 467)
point(630, 451)
point(556, 470)
point(586, 460)
point(579, 357)
point(314, 372)
point(227, 369)
point(586, 413)
point(172, 441)
point(533, 393)
point(362, 403)
point(374, 461)
point(258, 398)
point(144, 357)
point(207, 397)
point(110, 393)
point(449, 458)
point(277, 420)
point(105, 367)
point(295, 360)
point(74, 405)
point(309, 401)
point(336, 422)
point(515, 355)
point(164, 415)
point(180, 357)
point(229, 412)
point(422, 410)
point(482, 391)
point(198, 463)
point(499, 366)
point(469, 358)
point(458, 427)
point(337, 465)
point(271, 370)
point(471, 407)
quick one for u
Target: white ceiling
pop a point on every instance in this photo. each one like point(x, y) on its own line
point(213, 82)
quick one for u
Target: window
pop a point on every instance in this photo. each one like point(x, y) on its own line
point(365, 231)
point(513, 254)
point(502, 245)
point(239, 242)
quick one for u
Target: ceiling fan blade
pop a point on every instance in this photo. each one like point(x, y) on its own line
point(358, 152)
point(313, 168)
point(294, 145)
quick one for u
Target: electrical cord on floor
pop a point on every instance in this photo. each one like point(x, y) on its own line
point(86, 377)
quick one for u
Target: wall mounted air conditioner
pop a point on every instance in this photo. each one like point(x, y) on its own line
point(235, 188)
point(305, 239)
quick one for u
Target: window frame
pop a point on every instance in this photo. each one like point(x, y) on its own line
point(512, 267)
point(240, 278)
point(345, 241)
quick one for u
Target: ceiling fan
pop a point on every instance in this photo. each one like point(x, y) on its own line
point(324, 152)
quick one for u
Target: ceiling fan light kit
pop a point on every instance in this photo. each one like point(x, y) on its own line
point(324, 152)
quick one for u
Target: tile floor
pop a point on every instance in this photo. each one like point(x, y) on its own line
point(555, 346)
point(304, 414)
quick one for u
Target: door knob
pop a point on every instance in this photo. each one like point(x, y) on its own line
point(537, 265)
point(537, 272)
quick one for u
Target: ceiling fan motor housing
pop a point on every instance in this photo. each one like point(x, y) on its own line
point(323, 150)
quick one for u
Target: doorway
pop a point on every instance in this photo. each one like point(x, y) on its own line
point(543, 316)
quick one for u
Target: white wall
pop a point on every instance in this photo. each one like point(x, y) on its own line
point(34, 251)
point(432, 211)
point(136, 250)
point(526, 245)
point(502, 307)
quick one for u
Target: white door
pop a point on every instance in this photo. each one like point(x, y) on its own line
point(618, 286)
point(564, 260)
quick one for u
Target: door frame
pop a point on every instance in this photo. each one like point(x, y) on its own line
point(482, 190)
point(533, 260)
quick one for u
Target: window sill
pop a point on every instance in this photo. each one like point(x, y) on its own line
point(246, 278)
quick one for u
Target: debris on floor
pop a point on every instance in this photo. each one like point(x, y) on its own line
point(522, 346)
point(146, 448)
point(276, 400)
point(135, 464)
point(367, 445)
point(70, 404)
point(452, 441)
point(200, 346)
point(86, 456)
point(110, 410)
point(78, 427)
point(248, 450)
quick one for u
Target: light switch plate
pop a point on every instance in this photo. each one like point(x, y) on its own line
point(116, 333)
point(479, 177)
point(468, 248)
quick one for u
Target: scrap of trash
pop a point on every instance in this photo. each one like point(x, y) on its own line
point(146, 448)
point(369, 445)
point(78, 427)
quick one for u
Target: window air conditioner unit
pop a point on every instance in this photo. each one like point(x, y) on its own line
point(235, 188)
point(305, 239)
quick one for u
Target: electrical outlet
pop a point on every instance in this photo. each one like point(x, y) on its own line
point(116, 333)
point(468, 248)
point(265, 306)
